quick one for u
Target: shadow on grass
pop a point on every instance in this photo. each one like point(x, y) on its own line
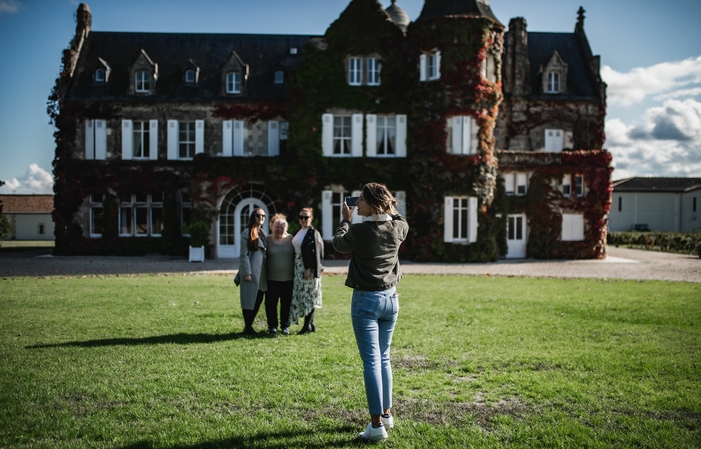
point(273, 440)
point(178, 339)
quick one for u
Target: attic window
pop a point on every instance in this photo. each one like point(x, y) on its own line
point(100, 76)
point(233, 83)
point(190, 76)
point(142, 82)
point(279, 77)
point(553, 82)
point(293, 50)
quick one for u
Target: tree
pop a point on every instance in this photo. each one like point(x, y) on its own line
point(4, 223)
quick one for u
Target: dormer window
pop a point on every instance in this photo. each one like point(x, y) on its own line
point(430, 66)
point(279, 77)
point(553, 82)
point(373, 71)
point(190, 76)
point(233, 83)
point(141, 82)
point(100, 75)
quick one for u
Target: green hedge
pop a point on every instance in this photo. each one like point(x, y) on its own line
point(673, 242)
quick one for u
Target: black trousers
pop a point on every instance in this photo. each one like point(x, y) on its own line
point(250, 315)
point(278, 290)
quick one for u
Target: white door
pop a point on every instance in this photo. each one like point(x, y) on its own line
point(516, 236)
point(233, 219)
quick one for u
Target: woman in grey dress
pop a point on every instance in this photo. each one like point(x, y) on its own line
point(252, 271)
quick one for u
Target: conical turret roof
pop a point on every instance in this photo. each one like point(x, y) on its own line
point(435, 9)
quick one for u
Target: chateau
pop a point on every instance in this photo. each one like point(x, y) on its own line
point(490, 137)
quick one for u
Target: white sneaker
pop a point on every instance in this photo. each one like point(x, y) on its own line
point(388, 421)
point(373, 433)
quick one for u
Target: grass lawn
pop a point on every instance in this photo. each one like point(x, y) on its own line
point(484, 362)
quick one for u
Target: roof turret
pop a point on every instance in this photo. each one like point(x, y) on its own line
point(435, 9)
point(398, 16)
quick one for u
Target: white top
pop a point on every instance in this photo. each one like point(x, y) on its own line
point(298, 239)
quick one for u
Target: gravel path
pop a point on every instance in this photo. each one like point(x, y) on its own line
point(620, 264)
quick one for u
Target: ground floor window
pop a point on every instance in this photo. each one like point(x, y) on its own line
point(141, 215)
point(460, 219)
point(96, 214)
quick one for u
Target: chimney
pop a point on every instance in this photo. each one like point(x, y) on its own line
point(517, 71)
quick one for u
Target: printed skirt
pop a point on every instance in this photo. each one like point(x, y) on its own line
point(306, 294)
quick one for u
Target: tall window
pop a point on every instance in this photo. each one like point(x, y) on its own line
point(142, 82)
point(141, 140)
point(141, 215)
point(460, 218)
point(233, 83)
point(553, 82)
point(567, 185)
point(430, 66)
point(355, 71)
point(186, 141)
point(373, 71)
point(579, 185)
point(386, 135)
point(96, 214)
point(341, 134)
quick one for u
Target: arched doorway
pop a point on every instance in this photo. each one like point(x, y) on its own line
point(235, 209)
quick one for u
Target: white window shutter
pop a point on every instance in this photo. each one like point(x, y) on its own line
point(327, 214)
point(472, 219)
point(448, 220)
point(127, 140)
point(238, 137)
point(172, 136)
point(327, 134)
point(578, 227)
point(438, 64)
point(401, 203)
point(356, 218)
point(509, 183)
point(569, 140)
point(153, 139)
point(357, 135)
point(521, 180)
point(422, 67)
point(273, 138)
point(227, 138)
point(474, 136)
point(457, 134)
point(401, 136)
point(89, 139)
point(199, 136)
point(370, 136)
point(100, 140)
point(566, 234)
point(465, 131)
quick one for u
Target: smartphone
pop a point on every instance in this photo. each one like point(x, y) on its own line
point(351, 200)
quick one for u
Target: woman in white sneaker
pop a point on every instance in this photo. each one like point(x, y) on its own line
point(373, 274)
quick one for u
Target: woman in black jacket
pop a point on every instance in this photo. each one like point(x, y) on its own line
point(309, 252)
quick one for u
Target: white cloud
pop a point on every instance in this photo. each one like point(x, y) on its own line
point(666, 143)
point(9, 6)
point(663, 81)
point(34, 180)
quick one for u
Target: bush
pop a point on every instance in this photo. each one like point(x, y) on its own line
point(673, 242)
point(4, 228)
point(199, 233)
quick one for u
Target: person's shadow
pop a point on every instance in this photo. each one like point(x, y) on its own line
point(181, 339)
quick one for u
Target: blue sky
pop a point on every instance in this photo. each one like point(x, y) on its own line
point(650, 53)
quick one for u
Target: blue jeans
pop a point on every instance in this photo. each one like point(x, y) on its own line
point(374, 315)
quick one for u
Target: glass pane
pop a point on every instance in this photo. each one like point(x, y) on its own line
point(141, 221)
point(141, 197)
point(519, 228)
point(511, 226)
point(96, 222)
point(156, 220)
point(463, 224)
point(125, 221)
point(157, 197)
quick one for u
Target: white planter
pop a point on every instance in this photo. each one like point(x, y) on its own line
point(197, 254)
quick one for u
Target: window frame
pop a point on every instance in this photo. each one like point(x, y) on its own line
point(349, 139)
point(131, 208)
point(579, 185)
point(145, 139)
point(142, 85)
point(233, 79)
point(373, 68)
point(279, 80)
point(103, 78)
point(449, 219)
point(188, 73)
point(189, 144)
point(554, 79)
point(355, 71)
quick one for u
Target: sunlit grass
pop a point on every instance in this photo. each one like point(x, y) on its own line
point(157, 361)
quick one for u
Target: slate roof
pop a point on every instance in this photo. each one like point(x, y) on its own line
point(264, 55)
point(643, 184)
point(581, 81)
point(435, 9)
point(27, 204)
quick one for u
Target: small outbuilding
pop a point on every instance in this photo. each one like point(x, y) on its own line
point(29, 216)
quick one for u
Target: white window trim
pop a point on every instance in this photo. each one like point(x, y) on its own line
point(510, 183)
point(373, 71)
point(554, 75)
point(461, 126)
point(567, 182)
point(371, 136)
point(355, 74)
point(96, 140)
point(233, 138)
point(472, 223)
point(356, 137)
point(146, 81)
point(231, 87)
point(133, 205)
point(578, 190)
point(554, 140)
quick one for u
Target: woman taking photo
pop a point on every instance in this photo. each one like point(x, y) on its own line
point(309, 252)
point(252, 268)
point(373, 274)
point(281, 263)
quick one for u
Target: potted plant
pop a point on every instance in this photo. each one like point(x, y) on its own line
point(199, 237)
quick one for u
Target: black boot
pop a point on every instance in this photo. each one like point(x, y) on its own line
point(308, 325)
point(248, 317)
